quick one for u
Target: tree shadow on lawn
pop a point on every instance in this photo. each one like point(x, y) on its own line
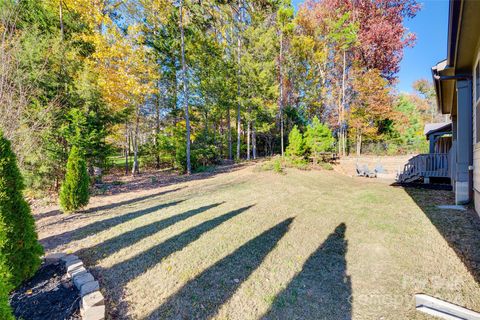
point(322, 289)
point(202, 297)
point(112, 245)
point(123, 272)
point(109, 206)
point(461, 229)
point(54, 241)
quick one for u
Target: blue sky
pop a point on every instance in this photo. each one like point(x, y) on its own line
point(430, 25)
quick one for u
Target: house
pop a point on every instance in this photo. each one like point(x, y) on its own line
point(457, 86)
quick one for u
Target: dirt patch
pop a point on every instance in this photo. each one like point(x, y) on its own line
point(48, 295)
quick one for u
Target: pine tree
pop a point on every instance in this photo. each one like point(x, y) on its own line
point(295, 143)
point(19, 248)
point(318, 137)
point(74, 193)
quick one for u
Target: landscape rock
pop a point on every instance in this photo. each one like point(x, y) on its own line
point(78, 271)
point(94, 313)
point(89, 287)
point(92, 299)
point(72, 265)
point(69, 257)
point(81, 279)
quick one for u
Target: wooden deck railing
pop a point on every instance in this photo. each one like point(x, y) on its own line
point(425, 165)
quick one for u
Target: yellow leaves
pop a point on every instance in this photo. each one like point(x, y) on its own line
point(159, 10)
point(303, 45)
point(91, 11)
point(126, 74)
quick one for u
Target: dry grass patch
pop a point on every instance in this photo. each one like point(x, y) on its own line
point(249, 245)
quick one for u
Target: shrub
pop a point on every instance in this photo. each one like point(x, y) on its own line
point(74, 193)
point(19, 248)
point(295, 143)
point(5, 311)
point(277, 165)
point(318, 137)
point(297, 162)
point(326, 166)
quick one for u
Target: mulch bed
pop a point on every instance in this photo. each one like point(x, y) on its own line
point(50, 294)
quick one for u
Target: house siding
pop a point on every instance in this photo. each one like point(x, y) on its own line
point(476, 142)
point(476, 159)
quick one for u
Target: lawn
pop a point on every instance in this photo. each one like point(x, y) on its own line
point(250, 244)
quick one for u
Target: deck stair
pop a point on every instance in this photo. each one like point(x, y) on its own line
point(425, 166)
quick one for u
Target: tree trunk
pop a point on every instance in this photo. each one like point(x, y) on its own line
point(175, 98)
point(239, 72)
point(130, 139)
point(126, 148)
point(359, 143)
point(157, 133)
point(135, 169)
point(254, 142)
point(62, 29)
point(342, 124)
point(280, 62)
point(249, 125)
point(229, 133)
point(185, 87)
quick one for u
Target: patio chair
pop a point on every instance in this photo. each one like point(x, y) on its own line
point(360, 170)
point(370, 174)
point(379, 168)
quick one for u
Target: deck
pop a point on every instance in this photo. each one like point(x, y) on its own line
point(425, 166)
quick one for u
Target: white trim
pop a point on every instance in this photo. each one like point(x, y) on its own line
point(443, 309)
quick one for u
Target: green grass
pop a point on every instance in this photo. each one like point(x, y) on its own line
point(250, 244)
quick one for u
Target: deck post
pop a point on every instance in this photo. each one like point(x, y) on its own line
point(463, 179)
point(432, 139)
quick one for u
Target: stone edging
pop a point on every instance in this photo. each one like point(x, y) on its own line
point(92, 304)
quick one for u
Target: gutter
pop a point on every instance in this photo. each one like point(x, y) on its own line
point(454, 23)
point(438, 77)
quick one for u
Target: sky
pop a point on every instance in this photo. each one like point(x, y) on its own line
point(430, 25)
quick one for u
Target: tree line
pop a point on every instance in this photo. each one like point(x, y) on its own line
point(190, 83)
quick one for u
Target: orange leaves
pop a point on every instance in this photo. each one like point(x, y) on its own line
point(373, 102)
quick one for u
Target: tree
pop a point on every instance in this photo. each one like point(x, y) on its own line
point(74, 193)
point(19, 248)
point(372, 105)
point(318, 137)
point(295, 143)
point(125, 74)
point(408, 126)
point(427, 100)
point(343, 35)
point(285, 26)
point(185, 89)
point(382, 35)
